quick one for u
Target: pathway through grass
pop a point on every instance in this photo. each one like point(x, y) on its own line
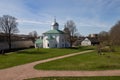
point(88, 61)
point(31, 55)
point(77, 78)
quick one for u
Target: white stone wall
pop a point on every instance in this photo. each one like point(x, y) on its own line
point(62, 41)
point(45, 42)
point(17, 44)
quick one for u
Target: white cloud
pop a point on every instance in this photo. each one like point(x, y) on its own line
point(32, 22)
point(92, 24)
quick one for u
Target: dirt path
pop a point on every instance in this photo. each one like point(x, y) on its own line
point(27, 71)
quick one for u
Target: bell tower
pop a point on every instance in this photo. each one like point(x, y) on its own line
point(55, 25)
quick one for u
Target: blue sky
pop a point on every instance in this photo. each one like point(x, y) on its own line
point(90, 16)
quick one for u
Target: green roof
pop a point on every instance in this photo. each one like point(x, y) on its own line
point(54, 32)
point(39, 41)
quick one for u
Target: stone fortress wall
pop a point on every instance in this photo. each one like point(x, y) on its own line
point(17, 44)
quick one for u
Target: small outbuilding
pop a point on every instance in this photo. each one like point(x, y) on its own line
point(39, 43)
point(86, 41)
point(89, 41)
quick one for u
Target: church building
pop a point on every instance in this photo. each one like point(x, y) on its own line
point(53, 38)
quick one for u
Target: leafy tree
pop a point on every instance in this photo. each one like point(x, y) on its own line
point(8, 26)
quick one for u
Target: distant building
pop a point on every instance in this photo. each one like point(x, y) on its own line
point(89, 41)
point(93, 35)
point(86, 41)
point(53, 38)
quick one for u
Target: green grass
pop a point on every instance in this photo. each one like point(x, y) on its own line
point(78, 78)
point(31, 55)
point(87, 61)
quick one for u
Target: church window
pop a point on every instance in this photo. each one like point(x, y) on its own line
point(66, 45)
point(55, 45)
point(62, 40)
point(62, 45)
point(48, 45)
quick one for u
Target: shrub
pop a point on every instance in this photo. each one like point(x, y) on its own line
point(107, 49)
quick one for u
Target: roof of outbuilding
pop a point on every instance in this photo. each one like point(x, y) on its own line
point(54, 32)
point(39, 41)
point(93, 40)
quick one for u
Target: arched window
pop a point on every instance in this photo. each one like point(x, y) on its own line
point(48, 45)
point(62, 45)
point(62, 40)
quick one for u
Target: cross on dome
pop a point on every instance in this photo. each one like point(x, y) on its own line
point(54, 19)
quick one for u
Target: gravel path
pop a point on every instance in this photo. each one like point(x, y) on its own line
point(27, 71)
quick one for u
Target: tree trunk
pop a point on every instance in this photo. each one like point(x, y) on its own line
point(9, 41)
point(70, 41)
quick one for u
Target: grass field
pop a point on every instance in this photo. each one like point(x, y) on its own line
point(87, 61)
point(78, 78)
point(31, 55)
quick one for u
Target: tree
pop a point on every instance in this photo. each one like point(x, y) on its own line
point(33, 35)
point(67, 34)
point(8, 26)
point(115, 34)
point(103, 37)
point(70, 29)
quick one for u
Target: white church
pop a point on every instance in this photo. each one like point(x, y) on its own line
point(53, 38)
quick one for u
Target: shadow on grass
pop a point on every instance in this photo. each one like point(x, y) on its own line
point(83, 47)
point(73, 48)
point(6, 51)
point(108, 66)
point(87, 47)
point(32, 51)
point(45, 51)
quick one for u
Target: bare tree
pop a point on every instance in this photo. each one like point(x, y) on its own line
point(70, 29)
point(8, 26)
point(67, 34)
point(33, 35)
point(115, 34)
point(103, 37)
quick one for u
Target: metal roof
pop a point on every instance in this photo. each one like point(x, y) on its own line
point(39, 41)
point(54, 32)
